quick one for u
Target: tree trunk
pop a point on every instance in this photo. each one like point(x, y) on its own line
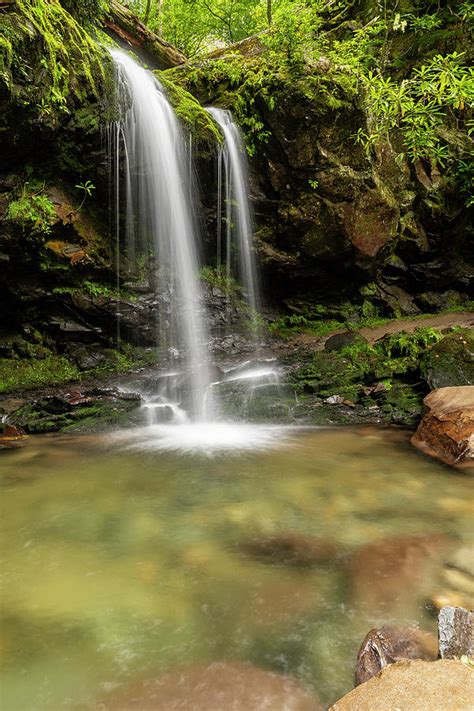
point(147, 12)
point(130, 31)
point(269, 12)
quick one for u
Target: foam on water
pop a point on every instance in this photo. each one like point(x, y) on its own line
point(206, 438)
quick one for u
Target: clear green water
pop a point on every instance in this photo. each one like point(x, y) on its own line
point(122, 564)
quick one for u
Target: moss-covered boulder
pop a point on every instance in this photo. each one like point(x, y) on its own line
point(451, 361)
point(75, 411)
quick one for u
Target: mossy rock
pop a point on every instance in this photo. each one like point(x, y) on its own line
point(328, 372)
point(195, 118)
point(450, 361)
point(343, 340)
point(87, 413)
point(403, 404)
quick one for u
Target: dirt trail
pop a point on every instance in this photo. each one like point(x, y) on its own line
point(463, 318)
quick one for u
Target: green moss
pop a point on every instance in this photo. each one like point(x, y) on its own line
point(26, 374)
point(383, 378)
point(450, 361)
point(199, 122)
point(6, 57)
point(48, 58)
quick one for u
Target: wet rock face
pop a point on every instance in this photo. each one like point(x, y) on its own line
point(340, 218)
point(446, 430)
point(456, 632)
point(388, 645)
point(370, 223)
point(414, 686)
point(219, 686)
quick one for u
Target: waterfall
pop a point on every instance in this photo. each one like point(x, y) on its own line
point(153, 171)
point(233, 187)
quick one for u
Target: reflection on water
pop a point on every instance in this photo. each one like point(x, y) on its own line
point(118, 564)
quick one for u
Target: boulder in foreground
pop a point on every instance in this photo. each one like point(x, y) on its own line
point(388, 645)
point(445, 685)
point(446, 430)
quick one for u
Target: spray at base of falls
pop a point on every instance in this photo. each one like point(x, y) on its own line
point(159, 217)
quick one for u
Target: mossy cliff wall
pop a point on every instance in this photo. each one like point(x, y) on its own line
point(334, 219)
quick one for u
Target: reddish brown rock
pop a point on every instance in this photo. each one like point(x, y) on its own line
point(217, 687)
point(13, 432)
point(291, 548)
point(12, 437)
point(394, 571)
point(370, 222)
point(389, 645)
point(446, 430)
point(414, 685)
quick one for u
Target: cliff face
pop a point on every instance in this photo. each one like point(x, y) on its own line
point(341, 231)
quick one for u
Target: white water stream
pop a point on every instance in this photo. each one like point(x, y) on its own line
point(160, 220)
point(233, 188)
point(153, 194)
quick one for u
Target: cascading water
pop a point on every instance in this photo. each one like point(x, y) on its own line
point(151, 155)
point(233, 188)
point(153, 193)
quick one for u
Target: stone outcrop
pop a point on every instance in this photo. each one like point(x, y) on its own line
point(446, 430)
point(388, 645)
point(219, 686)
point(417, 685)
point(455, 633)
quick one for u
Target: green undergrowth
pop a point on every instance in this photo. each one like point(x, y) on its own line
point(32, 211)
point(94, 288)
point(35, 373)
point(38, 366)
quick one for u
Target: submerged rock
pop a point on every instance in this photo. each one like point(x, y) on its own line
point(388, 645)
point(446, 431)
point(291, 548)
point(219, 686)
point(392, 572)
point(456, 632)
point(456, 586)
point(414, 685)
